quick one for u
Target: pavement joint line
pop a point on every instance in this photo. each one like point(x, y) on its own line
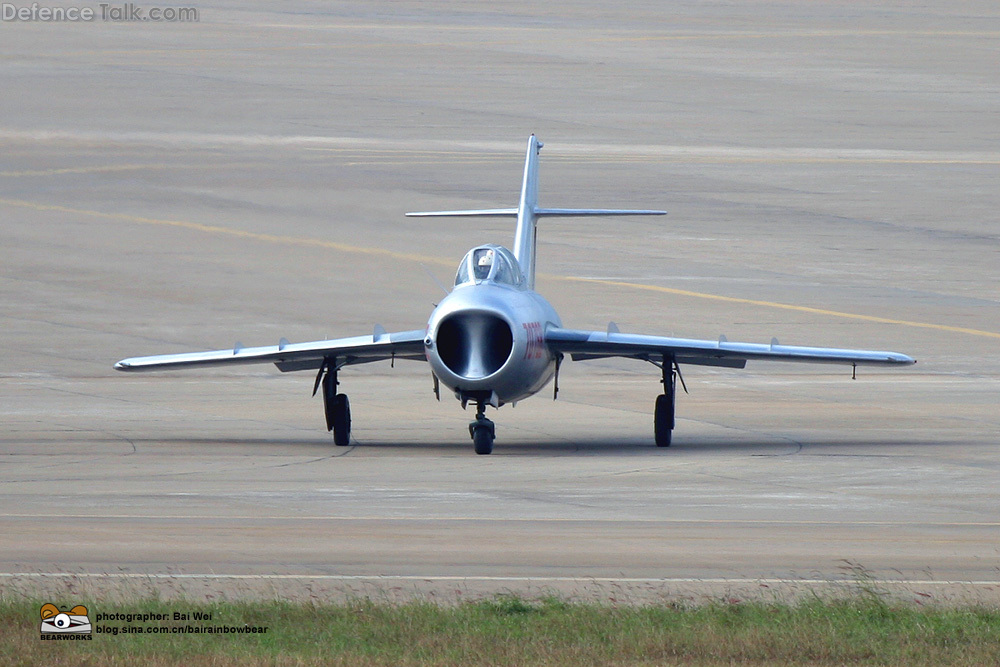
point(108, 169)
point(425, 259)
point(502, 149)
point(760, 522)
point(488, 578)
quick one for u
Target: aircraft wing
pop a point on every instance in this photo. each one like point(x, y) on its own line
point(294, 356)
point(601, 344)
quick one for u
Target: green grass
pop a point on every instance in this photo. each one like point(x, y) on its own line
point(508, 630)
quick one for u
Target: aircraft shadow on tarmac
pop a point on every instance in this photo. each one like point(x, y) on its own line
point(765, 446)
point(642, 446)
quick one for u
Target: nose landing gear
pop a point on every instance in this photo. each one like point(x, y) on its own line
point(483, 431)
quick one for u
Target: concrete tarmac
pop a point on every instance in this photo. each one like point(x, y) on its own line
point(831, 176)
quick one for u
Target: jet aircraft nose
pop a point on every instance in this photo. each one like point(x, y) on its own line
point(474, 344)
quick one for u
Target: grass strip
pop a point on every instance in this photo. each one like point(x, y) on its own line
point(510, 630)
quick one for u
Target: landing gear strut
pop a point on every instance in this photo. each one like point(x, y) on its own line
point(483, 431)
point(337, 408)
point(663, 414)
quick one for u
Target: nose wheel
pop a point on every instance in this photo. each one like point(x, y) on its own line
point(483, 431)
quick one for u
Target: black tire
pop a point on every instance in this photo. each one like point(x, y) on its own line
point(482, 440)
point(341, 420)
point(663, 420)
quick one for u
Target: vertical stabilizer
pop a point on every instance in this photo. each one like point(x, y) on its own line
point(524, 236)
point(528, 211)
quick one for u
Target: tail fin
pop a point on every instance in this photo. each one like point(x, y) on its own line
point(528, 212)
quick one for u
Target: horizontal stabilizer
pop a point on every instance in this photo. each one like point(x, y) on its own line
point(583, 212)
point(539, 212)
point(485, 212)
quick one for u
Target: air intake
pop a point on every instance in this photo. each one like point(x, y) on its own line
point(474, 345)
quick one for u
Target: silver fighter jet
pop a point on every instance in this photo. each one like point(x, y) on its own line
point(494, 340)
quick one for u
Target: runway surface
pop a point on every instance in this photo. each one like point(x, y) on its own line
point(831, 176)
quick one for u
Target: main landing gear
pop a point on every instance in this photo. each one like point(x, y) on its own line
point(336, 406)
point(483, 431)
point(663, 413)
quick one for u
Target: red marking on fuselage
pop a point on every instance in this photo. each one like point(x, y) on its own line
point(535, 340)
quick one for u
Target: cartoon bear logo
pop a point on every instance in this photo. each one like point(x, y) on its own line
point(73, 621)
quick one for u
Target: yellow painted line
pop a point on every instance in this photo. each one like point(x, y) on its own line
point(783, 306)
point(426, 259)
point(236, 233)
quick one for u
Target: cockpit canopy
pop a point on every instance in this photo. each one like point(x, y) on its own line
point(489, 262)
